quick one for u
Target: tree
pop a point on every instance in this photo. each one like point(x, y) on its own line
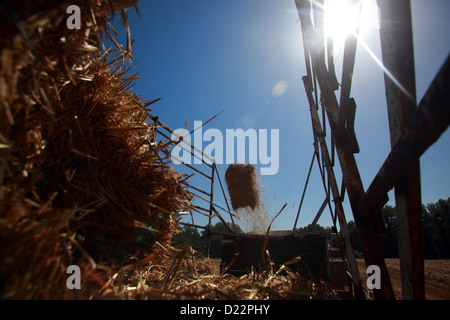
point(436, 231)
point(189, 236)
point(436, 228)
point(388, 239)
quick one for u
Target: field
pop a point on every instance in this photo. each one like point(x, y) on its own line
point(437, 282)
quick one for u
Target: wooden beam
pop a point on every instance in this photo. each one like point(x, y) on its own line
point(398, 57)
point(429, 121)
point(348, 64)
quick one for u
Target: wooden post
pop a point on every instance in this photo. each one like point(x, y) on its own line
point(428, 123)
point(398, 58)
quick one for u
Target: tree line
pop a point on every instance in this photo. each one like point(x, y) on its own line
point(435, 225)
point(435, 228)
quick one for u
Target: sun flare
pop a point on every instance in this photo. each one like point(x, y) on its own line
point(340, 19)
point(344, 17)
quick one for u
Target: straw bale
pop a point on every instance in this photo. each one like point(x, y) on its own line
point(242, 185)
point(80, 182)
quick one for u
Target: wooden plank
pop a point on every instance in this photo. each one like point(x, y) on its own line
point(398, 57)
point(428, 123)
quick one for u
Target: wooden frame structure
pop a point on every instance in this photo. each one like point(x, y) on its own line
point(413, 129)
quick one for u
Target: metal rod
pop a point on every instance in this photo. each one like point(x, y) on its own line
point(195, 188)
point(192, 225)
point(321, 171)
point(304, 190)
point(184, 148)
point(222, 220)
point(211, 208)
point(216, 205)
point(351, 42)
point(224, 196)
point(199, 208)
point(169, 129)
point(319, 213)
point(196, 209)
point(191, 167)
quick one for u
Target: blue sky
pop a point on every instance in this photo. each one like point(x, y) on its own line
point(201, 57)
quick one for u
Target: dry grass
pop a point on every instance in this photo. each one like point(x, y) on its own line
point(184, 275)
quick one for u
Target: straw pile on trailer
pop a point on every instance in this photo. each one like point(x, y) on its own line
point(81, 180)
point(184, 275)
point(242, 185)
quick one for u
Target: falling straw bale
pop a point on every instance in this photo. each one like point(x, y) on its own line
point(242, 185)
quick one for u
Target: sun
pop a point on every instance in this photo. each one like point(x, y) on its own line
point(340, 19)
